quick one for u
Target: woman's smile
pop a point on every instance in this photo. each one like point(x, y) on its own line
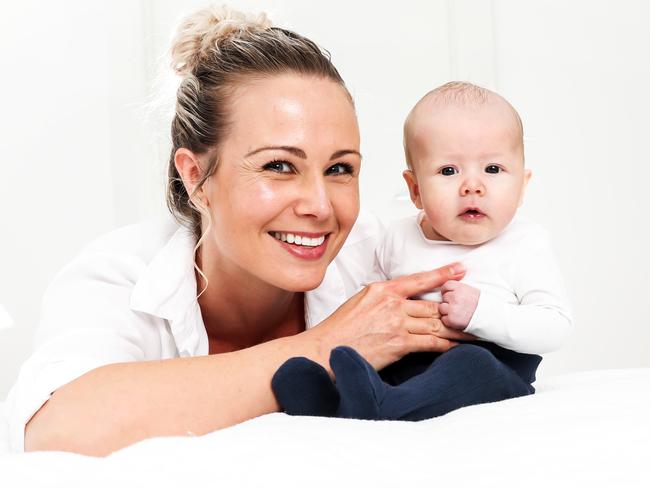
point(304, 245)
point(280, 178)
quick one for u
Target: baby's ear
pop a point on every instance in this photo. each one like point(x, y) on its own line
point(414, 189)
point(527, 176)
point(528, 173)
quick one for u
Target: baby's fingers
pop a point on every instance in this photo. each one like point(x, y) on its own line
point(450, 285)
point(446, 320)
point(449, 296)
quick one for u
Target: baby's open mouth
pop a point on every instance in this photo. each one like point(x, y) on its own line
point(299, 240)
point(472, 212)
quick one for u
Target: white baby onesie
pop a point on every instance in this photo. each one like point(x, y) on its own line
point(522, 306)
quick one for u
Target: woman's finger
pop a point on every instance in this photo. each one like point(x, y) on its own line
point(417, 283)
point(429, 343)
point(421, 308)
point(428, 326)
point(435, 327)
point(457, 335)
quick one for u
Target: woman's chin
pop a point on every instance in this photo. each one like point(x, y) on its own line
point(304, 283)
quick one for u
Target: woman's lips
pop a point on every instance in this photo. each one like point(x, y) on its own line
point(305, 250)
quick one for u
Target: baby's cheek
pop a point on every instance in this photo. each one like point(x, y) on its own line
point(438, 205)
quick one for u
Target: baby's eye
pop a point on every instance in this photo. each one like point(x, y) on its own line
point(493, 169)
point(448, 171)
point(340, 169)
point(279, 167)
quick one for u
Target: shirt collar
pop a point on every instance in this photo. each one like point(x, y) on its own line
point(167, 289)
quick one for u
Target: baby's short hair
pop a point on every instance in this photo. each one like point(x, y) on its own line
point(460, 93)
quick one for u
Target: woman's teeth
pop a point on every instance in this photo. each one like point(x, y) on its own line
point(299, 240)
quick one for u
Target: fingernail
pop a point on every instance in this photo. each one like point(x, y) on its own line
point(457, 268)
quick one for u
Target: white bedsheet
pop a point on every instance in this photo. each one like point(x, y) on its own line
point(585, 429)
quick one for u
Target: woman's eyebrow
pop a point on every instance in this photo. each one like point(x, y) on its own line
point(293, 150)
point(299, 152)
point(343, 152)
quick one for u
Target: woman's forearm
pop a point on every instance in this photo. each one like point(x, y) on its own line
point(116, 405)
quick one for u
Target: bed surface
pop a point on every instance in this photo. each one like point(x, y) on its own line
point(583, 429)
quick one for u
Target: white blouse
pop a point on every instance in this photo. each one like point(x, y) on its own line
point(131, 296)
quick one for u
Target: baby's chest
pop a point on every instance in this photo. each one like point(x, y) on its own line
point(487, 271)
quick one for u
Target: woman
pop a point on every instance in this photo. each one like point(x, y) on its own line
point(264, 176)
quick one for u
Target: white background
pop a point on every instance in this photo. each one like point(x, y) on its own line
point(82, 151)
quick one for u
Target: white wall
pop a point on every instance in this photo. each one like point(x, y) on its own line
point(55, 173)
point(78, 158)
point(75, 159)
point(579, 72)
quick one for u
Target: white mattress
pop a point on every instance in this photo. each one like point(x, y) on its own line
point(585, 429)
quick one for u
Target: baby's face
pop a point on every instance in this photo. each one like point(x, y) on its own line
point(468, 171)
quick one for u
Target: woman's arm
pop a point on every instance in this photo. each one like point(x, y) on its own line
point(119, 404)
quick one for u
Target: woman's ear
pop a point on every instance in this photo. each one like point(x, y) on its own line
point(190, 171)
point(414, 189)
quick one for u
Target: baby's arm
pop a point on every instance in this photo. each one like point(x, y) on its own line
point(541, 322)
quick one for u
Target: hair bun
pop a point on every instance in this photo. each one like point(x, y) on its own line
point(201, 33)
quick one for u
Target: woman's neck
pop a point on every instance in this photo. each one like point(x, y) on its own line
point(240, 311)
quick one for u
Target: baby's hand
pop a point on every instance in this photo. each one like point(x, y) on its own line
point(459, 302)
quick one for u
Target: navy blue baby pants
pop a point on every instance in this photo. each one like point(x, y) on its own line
point(418, 386)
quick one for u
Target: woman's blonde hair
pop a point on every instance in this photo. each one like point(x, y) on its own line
point(215, 50)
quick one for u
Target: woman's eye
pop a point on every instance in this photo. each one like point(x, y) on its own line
point(340, 169)
point(448, 171)
point(493, 168)
point(279, 167)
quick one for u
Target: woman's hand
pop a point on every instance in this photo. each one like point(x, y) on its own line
point(382, 324)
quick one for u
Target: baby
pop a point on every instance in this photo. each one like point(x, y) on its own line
point(465, 154)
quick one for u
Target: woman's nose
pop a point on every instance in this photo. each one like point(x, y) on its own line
point(314, 199)
point(472, 186)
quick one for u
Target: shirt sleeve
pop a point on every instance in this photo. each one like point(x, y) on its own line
point(358, 261)
point(85, 323)
point(380, 270)
point(541, 321)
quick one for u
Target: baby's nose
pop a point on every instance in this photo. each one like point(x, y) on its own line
point(470, 187)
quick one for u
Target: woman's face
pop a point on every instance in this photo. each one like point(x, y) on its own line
point(285, 194)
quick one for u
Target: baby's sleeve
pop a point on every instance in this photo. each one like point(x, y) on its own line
point(541, 321)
